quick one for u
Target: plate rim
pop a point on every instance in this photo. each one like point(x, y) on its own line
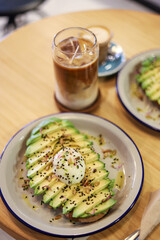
point(91, 231)
point(151, 126)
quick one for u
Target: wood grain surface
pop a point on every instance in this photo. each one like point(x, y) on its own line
point(27, 88)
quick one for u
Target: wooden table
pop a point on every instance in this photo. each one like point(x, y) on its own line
point(26, 93)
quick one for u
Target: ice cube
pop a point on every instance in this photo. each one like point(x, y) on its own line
point(69, 46)
point(60, 56)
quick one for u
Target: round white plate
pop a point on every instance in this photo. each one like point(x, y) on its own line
point(39, 219)
point(132, 104)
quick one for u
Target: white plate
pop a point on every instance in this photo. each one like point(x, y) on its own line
point(39, 219)
point(131, 103)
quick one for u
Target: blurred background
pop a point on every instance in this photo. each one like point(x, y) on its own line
point(17, 13)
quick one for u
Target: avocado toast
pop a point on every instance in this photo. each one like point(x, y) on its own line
point(64, 168)
point(148, 77)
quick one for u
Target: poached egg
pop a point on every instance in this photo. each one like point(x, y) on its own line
point(69, 166)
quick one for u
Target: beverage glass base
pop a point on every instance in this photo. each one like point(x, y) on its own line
point(90, 108)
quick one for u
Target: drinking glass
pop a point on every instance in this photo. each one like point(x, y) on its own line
point(75, 62)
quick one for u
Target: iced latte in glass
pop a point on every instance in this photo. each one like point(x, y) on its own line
point(75, 61)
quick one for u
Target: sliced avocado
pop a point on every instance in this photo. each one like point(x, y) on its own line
point(94, 166)
point(155, 96)
point(91, 157)
point(70, 191)
point(43, 154)
point(83, 194)
point(85, 150)
point(89, 203)
point(148, 74)
point(149, 79)
point(78, 145)
point(53, 191)
point(154, 88)
point(96, 176)
point(47, 131)
point(78, 137)
point(148, 82)
point(63, 196)
point(81, 146)
point(157, 62)
point(100, 208)
point(38, 167)
point(47, 141)
point(43, 186)
point(48, 121)
point(36, 180)
point(44, 161)
point(147, 62)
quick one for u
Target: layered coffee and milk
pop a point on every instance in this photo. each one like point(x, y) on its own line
point(76, 70)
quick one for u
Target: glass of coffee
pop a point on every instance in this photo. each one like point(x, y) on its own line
point(75, 62)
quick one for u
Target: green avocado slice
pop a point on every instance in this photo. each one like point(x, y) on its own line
point(49, 121)
point(47, 131)
point(90, 203)
point(100, 208)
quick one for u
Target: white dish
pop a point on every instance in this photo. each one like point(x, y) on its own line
point(132, 104)
point(127, 197)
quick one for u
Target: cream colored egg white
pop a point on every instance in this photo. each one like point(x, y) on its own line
point(69, 166)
